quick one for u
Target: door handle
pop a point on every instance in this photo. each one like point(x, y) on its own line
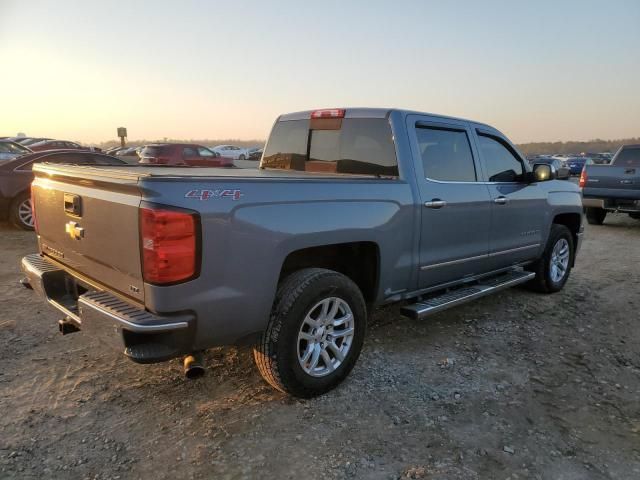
point(501, 200)
point(435, 203)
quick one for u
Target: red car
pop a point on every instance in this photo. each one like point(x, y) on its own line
point(183, 154)
point(55, 145)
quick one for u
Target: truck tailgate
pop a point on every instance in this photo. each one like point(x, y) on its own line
point(87, 220)
point(612, 181)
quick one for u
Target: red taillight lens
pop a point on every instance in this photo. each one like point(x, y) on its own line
point(328, 113)
point(583, 178)
point(33, 211)
point(170, 241)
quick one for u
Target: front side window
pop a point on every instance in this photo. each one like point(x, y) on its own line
point(189, 152)
point(446, 154)
point(205, 152)
point(501, 163)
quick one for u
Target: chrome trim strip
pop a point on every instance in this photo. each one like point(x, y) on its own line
point(453, 262)
point(478, 257)
point(518, 249)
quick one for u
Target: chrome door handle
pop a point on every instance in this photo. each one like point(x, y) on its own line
point(435, 203)
point(501, 200)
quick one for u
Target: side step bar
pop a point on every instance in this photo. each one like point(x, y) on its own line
point(461, 295)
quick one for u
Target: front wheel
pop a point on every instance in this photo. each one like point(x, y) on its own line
point(315, 333)
point(241, 157)
point(635, 216)
point(553, 268)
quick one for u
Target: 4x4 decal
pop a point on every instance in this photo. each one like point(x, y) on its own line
point(207, 194)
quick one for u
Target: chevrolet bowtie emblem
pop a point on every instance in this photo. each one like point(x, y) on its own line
point(74, 230)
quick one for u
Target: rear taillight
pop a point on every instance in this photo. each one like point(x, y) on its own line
point(328, 113)
point(170, 244)
point(33, 211)
point(583, 178)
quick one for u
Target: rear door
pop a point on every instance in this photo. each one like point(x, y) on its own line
point(518, 208)
point(455, 209)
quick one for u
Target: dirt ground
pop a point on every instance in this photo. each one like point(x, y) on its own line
point(514, 386)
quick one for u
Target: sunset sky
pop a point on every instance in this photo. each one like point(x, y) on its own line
point(538, 70)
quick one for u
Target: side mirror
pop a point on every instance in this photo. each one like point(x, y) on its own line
point(543, 172)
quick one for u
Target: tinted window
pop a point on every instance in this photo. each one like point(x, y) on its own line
point(205, 152)
point(501, 164)
point(446, 154)
point(628, 157)
point(189, 152)
point(360, 146)
point(150, 151)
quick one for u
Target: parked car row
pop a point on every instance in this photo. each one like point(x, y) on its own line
point(16, 178)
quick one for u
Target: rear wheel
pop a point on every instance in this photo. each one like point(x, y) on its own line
point(595, 215)
point(635, 216)
point(315, 333)
point(553, 268)
point(21, 212)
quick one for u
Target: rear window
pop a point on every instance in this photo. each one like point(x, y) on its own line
point(628, 157)
point(360, 146)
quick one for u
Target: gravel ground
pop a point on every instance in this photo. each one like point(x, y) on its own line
point(518, 385)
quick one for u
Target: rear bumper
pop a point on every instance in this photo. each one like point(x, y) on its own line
point(142, 336)
point(614, 204)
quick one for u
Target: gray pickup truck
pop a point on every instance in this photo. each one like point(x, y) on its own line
point(614, 187)
point(350, 209)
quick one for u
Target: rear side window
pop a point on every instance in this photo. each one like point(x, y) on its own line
point(358, 146)
point(627, 157)
point(446, 154)
point(151, 152)
point(501, 163)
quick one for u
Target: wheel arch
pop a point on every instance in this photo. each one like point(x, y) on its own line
point(360, 261)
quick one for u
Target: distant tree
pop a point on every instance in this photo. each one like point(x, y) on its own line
point(592, 146)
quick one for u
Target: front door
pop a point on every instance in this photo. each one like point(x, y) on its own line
point(518, 208)
point(455, 210)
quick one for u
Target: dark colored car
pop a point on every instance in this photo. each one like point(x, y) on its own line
point(16, 177)
point(576, 165)
point(183, 154)
point(55, 145)
point(255, 153)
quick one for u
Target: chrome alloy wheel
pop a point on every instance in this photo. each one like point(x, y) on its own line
point(25, 213)
point(325, 337)
point(559, 264)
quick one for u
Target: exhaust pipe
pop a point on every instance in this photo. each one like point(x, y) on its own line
point(194, 365)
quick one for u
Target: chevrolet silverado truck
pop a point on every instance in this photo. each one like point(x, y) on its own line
point(614, 187)
point(350, 209)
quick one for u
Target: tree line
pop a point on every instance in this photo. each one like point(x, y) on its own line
point(591, 146)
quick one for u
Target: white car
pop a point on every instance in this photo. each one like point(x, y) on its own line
point(231, 151)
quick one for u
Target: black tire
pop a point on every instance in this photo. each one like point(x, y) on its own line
point(543, 281)
point(277, 354)
point(15, 216)
point(595, 215)
point(635, 216)
point(241, 157)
